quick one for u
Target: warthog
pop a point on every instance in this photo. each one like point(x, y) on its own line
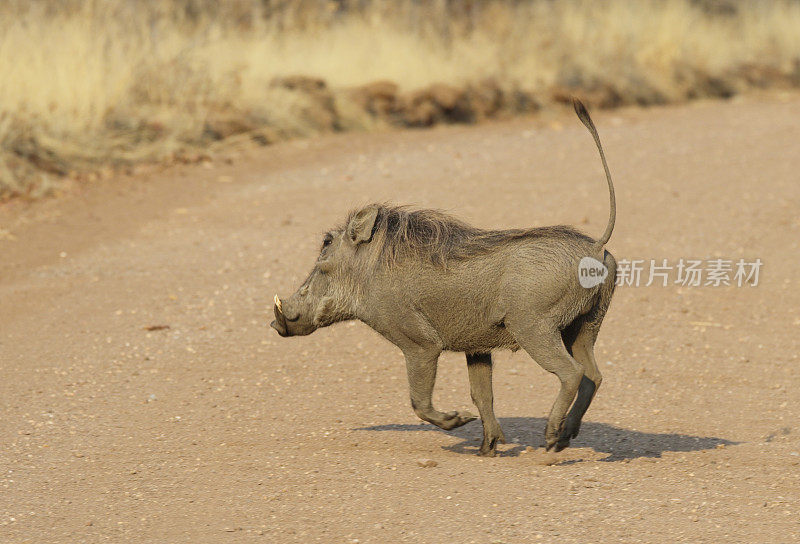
point(428, 282)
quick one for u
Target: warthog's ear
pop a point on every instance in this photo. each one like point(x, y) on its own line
point(360, 227)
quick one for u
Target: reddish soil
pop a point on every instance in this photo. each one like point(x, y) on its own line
point(214, 429)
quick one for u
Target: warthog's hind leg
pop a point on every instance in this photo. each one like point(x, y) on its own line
point(582, 349)
point(421, 367)
point(579, 338)
point(543, 343)
point(479, 366)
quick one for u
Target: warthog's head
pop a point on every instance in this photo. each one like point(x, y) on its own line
point(330, 292)
point(374, 241)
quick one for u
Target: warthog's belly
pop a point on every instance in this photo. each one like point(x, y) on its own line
point(482, 340)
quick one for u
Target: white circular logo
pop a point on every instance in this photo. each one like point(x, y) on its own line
point(591, 272)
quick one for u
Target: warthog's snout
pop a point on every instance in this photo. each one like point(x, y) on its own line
point(280, 322)
point(284, 318)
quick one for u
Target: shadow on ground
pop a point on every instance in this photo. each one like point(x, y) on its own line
point(618, 443)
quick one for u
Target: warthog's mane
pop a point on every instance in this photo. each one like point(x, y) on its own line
point(401, 232)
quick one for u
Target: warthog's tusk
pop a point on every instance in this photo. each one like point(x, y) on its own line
point(278, 304)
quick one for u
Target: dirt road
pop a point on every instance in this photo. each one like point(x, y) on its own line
point(211, 428)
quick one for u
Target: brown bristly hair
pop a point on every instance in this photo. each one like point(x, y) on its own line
point(401, 232)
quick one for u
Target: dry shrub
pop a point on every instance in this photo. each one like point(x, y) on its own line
point(117, 82)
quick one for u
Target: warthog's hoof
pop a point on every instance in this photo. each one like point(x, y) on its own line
point(557, 439)
point(561, 442)
point(489, 445)
point(571, 429)
point(452, 420)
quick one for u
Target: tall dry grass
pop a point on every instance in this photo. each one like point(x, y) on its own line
point(94, 83)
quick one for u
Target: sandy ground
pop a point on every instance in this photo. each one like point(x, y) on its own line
point(217, 430)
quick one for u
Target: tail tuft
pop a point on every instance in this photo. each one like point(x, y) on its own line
point(580, 109)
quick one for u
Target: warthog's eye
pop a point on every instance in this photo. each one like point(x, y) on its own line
point(327, 241)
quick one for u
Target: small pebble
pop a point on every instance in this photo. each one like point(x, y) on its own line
point(426, 463)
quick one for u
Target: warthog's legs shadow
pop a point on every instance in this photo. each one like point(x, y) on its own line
point(619, 443)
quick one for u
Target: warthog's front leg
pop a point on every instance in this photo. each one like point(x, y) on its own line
point(479, 366)
point(421, 366)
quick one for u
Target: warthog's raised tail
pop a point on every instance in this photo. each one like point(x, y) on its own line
point(583, 115)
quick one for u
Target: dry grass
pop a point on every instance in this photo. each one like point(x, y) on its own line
point(96, 83)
